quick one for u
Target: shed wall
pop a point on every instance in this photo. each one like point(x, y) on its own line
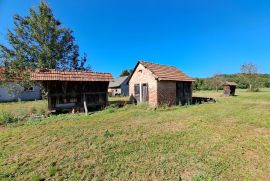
point(166, 91)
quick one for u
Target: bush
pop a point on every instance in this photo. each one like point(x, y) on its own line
point(7, 118)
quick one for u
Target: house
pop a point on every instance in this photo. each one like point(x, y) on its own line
point(73, 90)
point(158, 84)
point(11, 91)
point(119, 86)
point(229, 88)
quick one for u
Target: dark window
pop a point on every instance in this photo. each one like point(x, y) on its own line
point(28, 89)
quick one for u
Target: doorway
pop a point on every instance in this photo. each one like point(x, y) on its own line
point(141, 92)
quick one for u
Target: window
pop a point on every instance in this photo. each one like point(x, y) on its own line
point(28, 89)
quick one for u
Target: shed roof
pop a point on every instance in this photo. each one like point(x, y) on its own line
point(165, 72)
point(65, 75)
point(230, 83)
point(118, 81)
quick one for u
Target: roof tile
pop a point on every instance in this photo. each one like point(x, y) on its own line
point(164, 72)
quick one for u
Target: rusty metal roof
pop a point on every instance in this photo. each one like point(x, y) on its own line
point(164, 72)
point(65, 75)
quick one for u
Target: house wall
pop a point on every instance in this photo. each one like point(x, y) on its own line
point(125, 88)
point(115, 91)
point(227, 90)
point(166, 92)
point(143, 75)
point(19, 93)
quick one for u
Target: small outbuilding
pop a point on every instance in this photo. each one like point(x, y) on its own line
point(73, 90)
point(229, 88)
point(158, 84)
point(119, 86)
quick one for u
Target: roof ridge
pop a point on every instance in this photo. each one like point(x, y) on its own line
point(83, 71)
point(157, 63)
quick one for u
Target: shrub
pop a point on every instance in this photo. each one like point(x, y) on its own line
point(6, 118)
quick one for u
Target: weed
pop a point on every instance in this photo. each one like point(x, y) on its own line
point(52, 170)
point(7, 118)
point(108, 134)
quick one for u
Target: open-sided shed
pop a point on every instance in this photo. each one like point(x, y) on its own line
point(229, 88)
point(73, 90)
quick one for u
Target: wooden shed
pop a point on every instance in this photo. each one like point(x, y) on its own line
point(158, 84)
point(229, 88)
point(73, 90)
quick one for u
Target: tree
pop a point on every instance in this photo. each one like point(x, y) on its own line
point(39, 41)
point(249, 73)
point(216, 81)
point(126, 72)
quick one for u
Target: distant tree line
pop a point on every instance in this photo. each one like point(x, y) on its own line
point(259, 81)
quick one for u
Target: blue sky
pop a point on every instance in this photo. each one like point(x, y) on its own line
point(200, 37)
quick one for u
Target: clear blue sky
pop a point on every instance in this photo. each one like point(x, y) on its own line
point(200, 37)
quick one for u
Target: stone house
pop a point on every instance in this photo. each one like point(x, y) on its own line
point(119, 86)
point(158, 84)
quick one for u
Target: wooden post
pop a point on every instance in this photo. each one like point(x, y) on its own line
point(140, 92)
point(85, 105)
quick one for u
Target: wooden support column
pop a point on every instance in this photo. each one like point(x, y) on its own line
point(140, 92)
point(85, 105)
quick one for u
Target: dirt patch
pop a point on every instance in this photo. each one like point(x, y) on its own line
point(230, 120)
point(262, 131)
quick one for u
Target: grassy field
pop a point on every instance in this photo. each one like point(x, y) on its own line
point(228, 140)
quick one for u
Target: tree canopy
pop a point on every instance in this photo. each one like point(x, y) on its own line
point(126, 72)
point(40, 41)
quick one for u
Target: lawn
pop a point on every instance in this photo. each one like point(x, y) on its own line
point(228, 140)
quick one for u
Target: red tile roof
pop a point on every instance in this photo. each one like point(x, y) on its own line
point(164, 72)
point(47, 75)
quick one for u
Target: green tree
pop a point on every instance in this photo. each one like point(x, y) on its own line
point(126, 72)
point(39, 41)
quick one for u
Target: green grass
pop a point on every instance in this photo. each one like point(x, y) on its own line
point(24, 108)
point(228, 140)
